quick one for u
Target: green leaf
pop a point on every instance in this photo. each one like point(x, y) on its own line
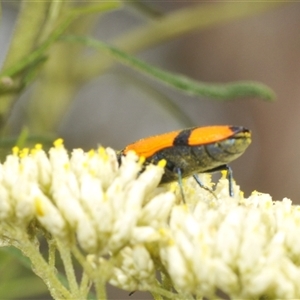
point(17, 278)
point(220, 91)
point(26, 278)
point(25, 286)
point(40, 52)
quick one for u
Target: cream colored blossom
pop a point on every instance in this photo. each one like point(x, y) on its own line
point(123, 227)
point(134, 269)
point(85, 192)
point(231, 245)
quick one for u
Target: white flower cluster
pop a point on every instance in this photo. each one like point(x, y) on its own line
point(85, 192)
point(243, 247)
point(246, 248)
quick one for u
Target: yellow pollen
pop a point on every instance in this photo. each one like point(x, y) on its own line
point(185, 207)
point(39, 207)
point(33, 151)
point(92, 173)
point(105, 198)
point(15, 150)
point(268, 204)
point(102, 153)
point(67, 166)
point(24, 152)
point(38, 146)
point(162, 231)
point(171, 242)
point(58, 143)
point(173, 187)
point(91, 153)
point(224, 174)
point(142, 159)
point(162, 163)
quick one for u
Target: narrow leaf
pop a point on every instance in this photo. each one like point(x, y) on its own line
point(220, 91)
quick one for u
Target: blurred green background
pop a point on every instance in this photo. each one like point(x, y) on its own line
point(82, 95)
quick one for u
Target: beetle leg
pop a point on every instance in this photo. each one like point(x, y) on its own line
point(179, 173)
point(228, 176)
point(230, 180)
point(204, 186)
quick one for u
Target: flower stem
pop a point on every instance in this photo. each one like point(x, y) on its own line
point(41, 267)
point(65, 254)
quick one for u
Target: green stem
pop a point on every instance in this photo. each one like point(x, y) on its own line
point(156, 290)
point(55, 10)
point(9, 80)
point(52, 250)
point(40, 51)
point(83, 262)
point(40, 267)
point(65, 255)
point(98, 274)
point(26, 31)
point(85, 285)
point(166, 281)
point(100, 288)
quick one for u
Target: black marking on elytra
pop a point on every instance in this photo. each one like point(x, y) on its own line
point(237, 129)
point(182, 139)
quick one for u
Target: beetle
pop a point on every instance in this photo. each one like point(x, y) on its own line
point(193, 150)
